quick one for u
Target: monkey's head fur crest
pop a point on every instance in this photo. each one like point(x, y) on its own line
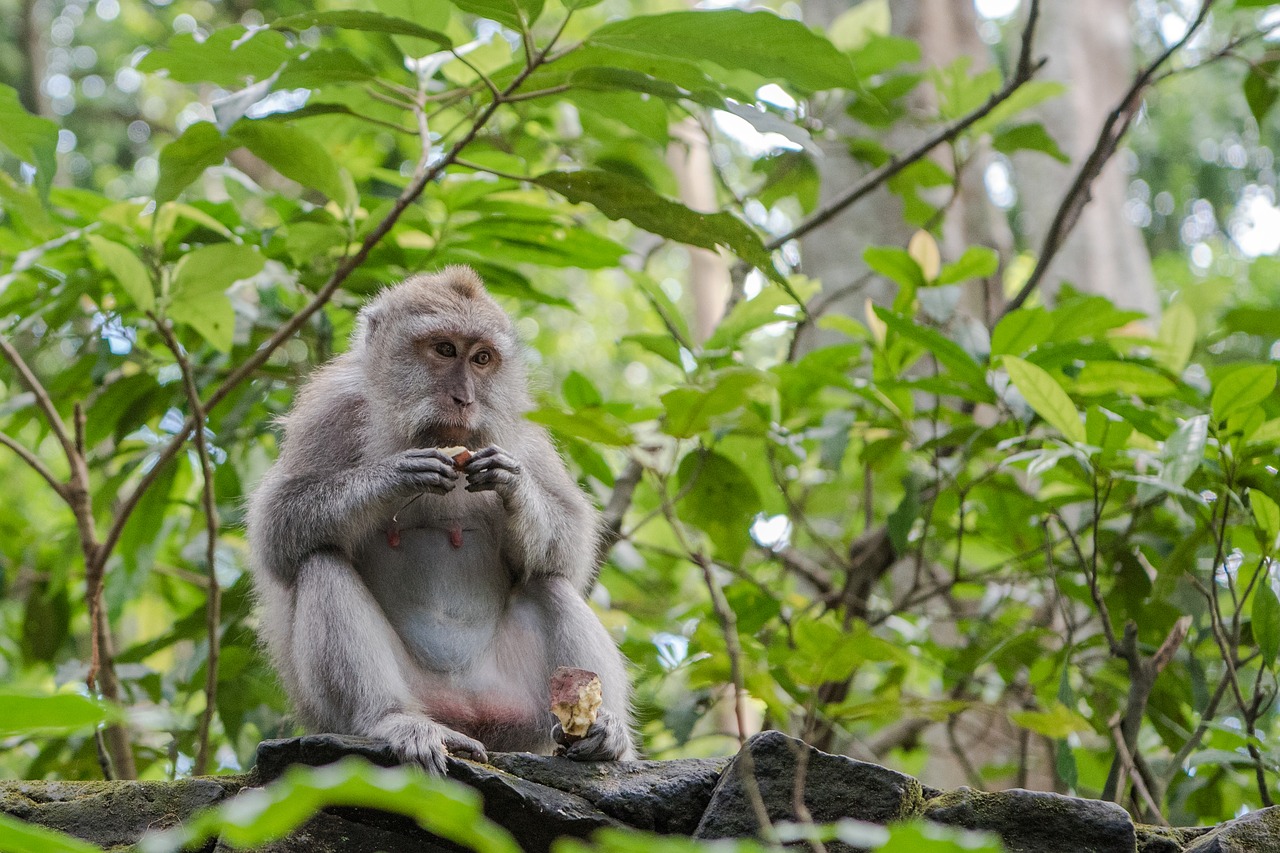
point(442, 359)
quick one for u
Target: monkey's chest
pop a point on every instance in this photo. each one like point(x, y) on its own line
point(443, 586)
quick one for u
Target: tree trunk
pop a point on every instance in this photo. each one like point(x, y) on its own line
point(1090, 48)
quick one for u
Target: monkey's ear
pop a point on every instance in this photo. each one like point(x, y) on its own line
point(367, 323)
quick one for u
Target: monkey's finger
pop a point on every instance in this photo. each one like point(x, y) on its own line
point(604, 741)
point(427, 464)
point(489, 463)
point(489, 481)
point(465, 747)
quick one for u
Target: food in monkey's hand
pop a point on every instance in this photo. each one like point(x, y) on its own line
point(575, 699)
point(459, 454)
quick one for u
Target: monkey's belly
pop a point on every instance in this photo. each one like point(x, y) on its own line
point(444, 601)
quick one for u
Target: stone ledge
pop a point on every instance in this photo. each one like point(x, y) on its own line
point(539, 799)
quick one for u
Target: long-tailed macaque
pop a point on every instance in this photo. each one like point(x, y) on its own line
point(413, 600)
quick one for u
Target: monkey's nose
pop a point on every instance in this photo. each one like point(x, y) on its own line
point(462, 402)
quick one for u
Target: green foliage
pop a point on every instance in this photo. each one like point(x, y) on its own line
point(912, 514)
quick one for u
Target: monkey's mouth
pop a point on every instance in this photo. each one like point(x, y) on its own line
point(445, 433)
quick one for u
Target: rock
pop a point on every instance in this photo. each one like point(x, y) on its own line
point(1038, 822)
point(112, 814)
point(1255, 832)
point(275, 756)
point(661, 796)
point(834, 787)
point(535, 814)
point(1159, 839)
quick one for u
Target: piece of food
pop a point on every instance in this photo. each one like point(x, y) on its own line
point(458, 454)
point(575, 699)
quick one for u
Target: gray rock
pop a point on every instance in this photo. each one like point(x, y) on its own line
point(1038, 822)
point(113, 813)
point(661, 796)
point(1256, 832)
point(834, 787)
point(1159, 839)
point(535, 814)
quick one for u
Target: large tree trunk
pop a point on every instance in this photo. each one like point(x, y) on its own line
point(945, 30)
point(1089, 45)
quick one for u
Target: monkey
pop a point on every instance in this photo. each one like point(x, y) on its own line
point(409, 599)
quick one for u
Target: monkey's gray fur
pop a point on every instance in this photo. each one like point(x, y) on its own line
point(398, 606)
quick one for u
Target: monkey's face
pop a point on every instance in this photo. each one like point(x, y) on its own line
point(440, 355)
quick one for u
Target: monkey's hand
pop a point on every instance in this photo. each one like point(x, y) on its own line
point(606, 740)
point(416, 739)
point(492, 470)
point(423, 469)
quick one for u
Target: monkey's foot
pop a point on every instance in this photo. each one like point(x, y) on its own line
point(606, 740)
point(416, 739)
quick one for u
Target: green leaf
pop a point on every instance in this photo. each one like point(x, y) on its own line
point(30, 138)
point(587, 424)
point(1177, 337)
point(1021, 331)
point(1043, 393)
point(22, 837)
point(976, 262)
point(749, 315)
point(619, 196)
point(229, 57)
point(1057, 723)
point(1122, 377)
point(1242, 388)
point(896, 265)
point(362, 21)
point(294, 154)
point(127, 269)
point(948, 353)
point(185, 159)
point(759, 42)
point(199, 298)
point(1260, 90)
point(23, 713)
point(720, 499)
point(1267, 514)
point(323, 67)
point(1266, 619)
point(1184, 450)
point(519, 15)
point(689, 410)
point(1028, 137)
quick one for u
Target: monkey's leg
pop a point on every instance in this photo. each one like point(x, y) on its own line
point(576, 638)
point(350, 667)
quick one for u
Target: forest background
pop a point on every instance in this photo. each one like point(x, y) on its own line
point(922, 356)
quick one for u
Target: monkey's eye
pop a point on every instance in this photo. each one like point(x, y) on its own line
point(482, 357)
point(446, 349)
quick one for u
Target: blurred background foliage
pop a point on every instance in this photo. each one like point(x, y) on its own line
point(983, 546)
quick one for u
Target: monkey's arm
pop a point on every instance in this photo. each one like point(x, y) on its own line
point(322, 496)
point(552, 528)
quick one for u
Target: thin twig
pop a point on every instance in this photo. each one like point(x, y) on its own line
point(213, 601)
